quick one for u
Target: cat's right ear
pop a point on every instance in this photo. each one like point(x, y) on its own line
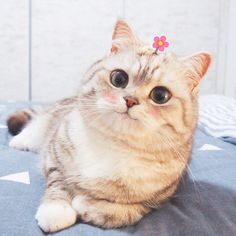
point(197, 66)
point(123, 37)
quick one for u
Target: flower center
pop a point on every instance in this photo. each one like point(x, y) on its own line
point(160, 43)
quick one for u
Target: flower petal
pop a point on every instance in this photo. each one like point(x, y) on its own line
point(163, 38)
point(156, 38)
point(166, 44)
point(154, 45)
point(161, 49)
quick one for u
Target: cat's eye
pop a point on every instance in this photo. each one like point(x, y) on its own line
point(119, 78)
point(160, 95)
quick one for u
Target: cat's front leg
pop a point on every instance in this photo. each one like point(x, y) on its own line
point(55, 212)
point(108, 214)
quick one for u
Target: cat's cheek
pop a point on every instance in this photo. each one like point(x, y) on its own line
point(109, 96)
point(153, 111)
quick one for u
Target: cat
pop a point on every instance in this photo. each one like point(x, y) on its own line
point(119, 148)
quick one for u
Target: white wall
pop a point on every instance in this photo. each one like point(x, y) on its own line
point(230, 82)
point(14, 52)
point(66, 36)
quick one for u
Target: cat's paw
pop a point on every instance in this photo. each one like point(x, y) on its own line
point(55, 215)
point(87, 212)
point(23, 142)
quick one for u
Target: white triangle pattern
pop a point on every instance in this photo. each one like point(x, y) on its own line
point(21, 177)
point(209, 147)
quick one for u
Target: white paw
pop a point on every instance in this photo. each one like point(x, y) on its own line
point(55, 215)
point(86, 211)
point(23, 142)
point(80, 204)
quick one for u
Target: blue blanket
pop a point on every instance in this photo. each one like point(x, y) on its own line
point(205, 203)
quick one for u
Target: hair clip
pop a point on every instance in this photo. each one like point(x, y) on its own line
point(160, 43)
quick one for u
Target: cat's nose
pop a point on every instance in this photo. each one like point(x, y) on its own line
point(131, 101)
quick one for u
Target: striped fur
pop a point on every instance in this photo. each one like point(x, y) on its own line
point(107, 164)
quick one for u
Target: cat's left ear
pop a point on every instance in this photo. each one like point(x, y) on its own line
point(197, 66)
point(123, 37)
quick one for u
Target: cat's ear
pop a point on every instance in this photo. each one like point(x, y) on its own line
point(197, 66)
point(123, 37)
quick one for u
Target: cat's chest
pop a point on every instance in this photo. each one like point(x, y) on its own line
point(104, 160)
point(98, 157)
point(119, 175)
point(104, 166)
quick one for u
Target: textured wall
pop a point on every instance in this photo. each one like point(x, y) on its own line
point(68, 35)
point(14, 49)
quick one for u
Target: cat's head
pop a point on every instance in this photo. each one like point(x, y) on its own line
point(135, 93)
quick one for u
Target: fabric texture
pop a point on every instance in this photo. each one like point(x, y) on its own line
point(204, 205)
point(217, 117)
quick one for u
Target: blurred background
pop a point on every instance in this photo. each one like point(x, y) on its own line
point(47, 45)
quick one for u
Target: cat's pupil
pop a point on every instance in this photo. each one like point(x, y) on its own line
point(160, 95)
point(119, 78)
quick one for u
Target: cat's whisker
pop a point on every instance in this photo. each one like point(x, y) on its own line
point(187, 165)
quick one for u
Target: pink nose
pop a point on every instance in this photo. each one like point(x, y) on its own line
point(131, 101)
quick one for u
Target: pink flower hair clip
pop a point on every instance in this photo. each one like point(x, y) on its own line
point(160, 43)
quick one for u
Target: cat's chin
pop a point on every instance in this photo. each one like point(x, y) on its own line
point(121, 122)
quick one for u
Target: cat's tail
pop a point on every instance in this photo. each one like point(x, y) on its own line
point(18, 120)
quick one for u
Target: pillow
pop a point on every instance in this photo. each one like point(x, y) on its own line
point(217, 117)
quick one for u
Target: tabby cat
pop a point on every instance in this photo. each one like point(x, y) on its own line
point(119, 148)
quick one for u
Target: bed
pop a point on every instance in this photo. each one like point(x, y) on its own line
point(205, 203)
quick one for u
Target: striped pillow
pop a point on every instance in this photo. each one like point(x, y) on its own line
point(217, 116)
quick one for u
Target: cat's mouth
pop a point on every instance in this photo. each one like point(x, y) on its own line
point(125, 115)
